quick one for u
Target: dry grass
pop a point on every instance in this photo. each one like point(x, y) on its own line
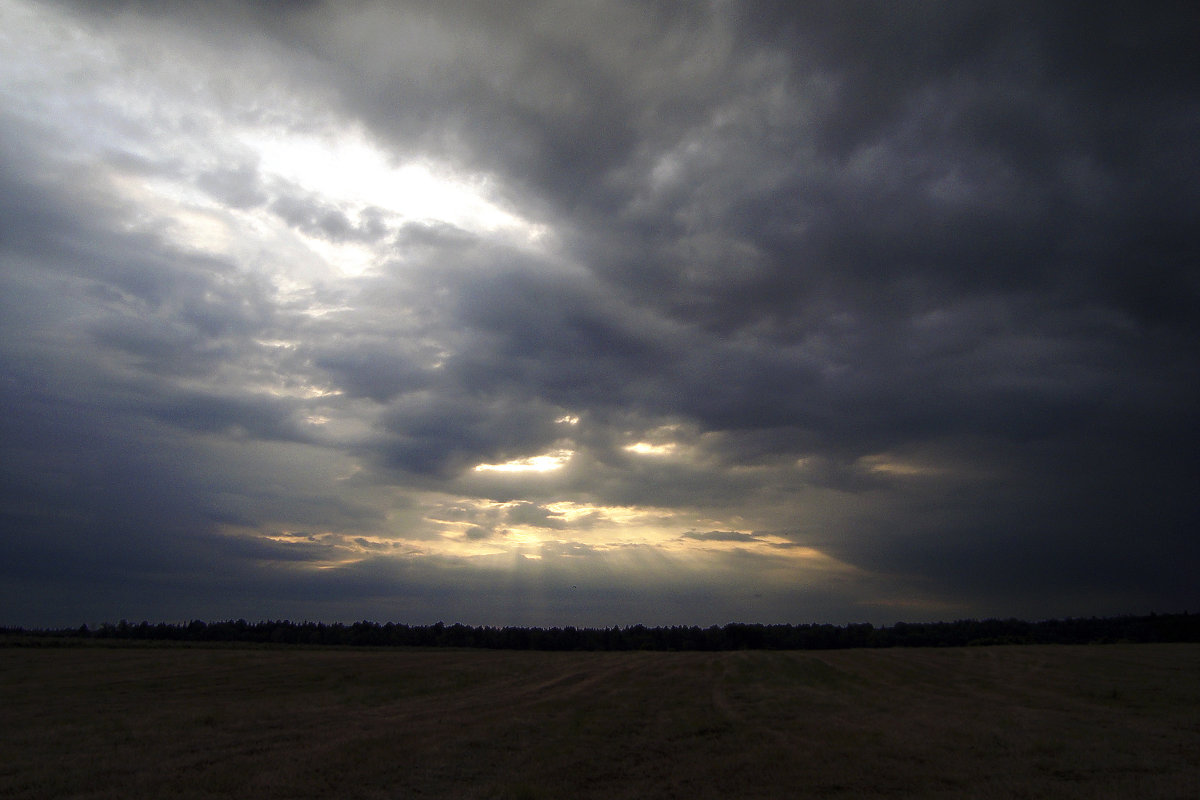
point(1066, 722)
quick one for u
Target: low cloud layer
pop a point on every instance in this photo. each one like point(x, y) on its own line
point(597, 314)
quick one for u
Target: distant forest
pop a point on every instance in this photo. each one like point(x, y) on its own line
point(734, 636)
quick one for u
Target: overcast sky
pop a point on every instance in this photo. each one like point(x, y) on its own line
point(598, 313)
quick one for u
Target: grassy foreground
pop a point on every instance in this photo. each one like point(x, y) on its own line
point(1115, 721)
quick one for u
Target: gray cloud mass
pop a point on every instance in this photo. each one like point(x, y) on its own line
point(575, 313)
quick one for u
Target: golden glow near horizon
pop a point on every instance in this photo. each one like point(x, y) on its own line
point(569, 537)
point(480, 528)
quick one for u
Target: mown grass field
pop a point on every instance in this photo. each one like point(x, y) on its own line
point(1113, 721)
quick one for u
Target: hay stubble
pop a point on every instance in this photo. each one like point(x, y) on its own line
point(1087, 722)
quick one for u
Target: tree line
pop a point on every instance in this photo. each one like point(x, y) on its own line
point(1183, 627)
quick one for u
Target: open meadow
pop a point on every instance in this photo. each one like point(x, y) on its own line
point(1111, 721)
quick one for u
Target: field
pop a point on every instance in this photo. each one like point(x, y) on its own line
point(1112, 721)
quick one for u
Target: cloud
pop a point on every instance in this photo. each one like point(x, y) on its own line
point(322, 220)
point(720, 536)
point(907, 292)
point(526, 513)
point(237, 187)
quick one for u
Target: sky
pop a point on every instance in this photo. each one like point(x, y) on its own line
point(598, 313)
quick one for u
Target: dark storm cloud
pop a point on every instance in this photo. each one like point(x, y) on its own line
point(373, 369)
point(901, 224)
point(320, 219)
point(868, 227)
point(100, 493)
point(443, 433)
point(720, 536)
point(915, 283)
point(536, 515)
point(266, 419)
point(237, 187)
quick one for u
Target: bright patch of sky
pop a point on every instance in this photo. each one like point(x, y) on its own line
point(160, 142)
point(545, 462)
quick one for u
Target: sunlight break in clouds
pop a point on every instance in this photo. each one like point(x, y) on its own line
point(344, 167)
point(166, 153)
point(427, 311)
point(355, 177)
point(541, 463)
point(648, 449)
